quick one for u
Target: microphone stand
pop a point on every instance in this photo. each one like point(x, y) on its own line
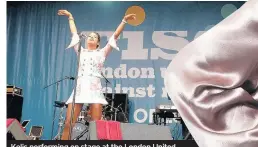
point(117, 109)
point(126, 120)
point(112, 99)
point(81, 36)
point(106, 82)
point(54, 114)
point(112, 105)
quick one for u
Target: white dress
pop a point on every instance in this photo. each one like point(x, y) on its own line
point(89, 88)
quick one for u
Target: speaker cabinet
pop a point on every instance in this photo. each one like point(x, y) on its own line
point(14, 106)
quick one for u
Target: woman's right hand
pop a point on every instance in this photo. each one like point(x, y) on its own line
point(64, 13)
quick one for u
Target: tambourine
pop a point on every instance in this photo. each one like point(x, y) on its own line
point(140, 15)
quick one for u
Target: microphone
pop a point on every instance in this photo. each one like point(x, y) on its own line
point(83, 34)
point(71, 78)
point(76, 39)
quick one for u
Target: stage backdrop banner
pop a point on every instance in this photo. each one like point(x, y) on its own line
point(36, 55)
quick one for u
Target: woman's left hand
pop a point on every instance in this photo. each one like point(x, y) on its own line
point(130, 17)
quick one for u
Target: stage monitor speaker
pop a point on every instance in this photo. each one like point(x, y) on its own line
point(15, 131)
point(80, 131)
point(137, 132)
point(36, 132)
point(14, 106)
point(120, 99)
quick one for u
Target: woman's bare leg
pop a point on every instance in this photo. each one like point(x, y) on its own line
point(96, 111)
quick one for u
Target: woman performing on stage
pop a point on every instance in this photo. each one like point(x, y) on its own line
point(89, 89)
point(213, 82)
